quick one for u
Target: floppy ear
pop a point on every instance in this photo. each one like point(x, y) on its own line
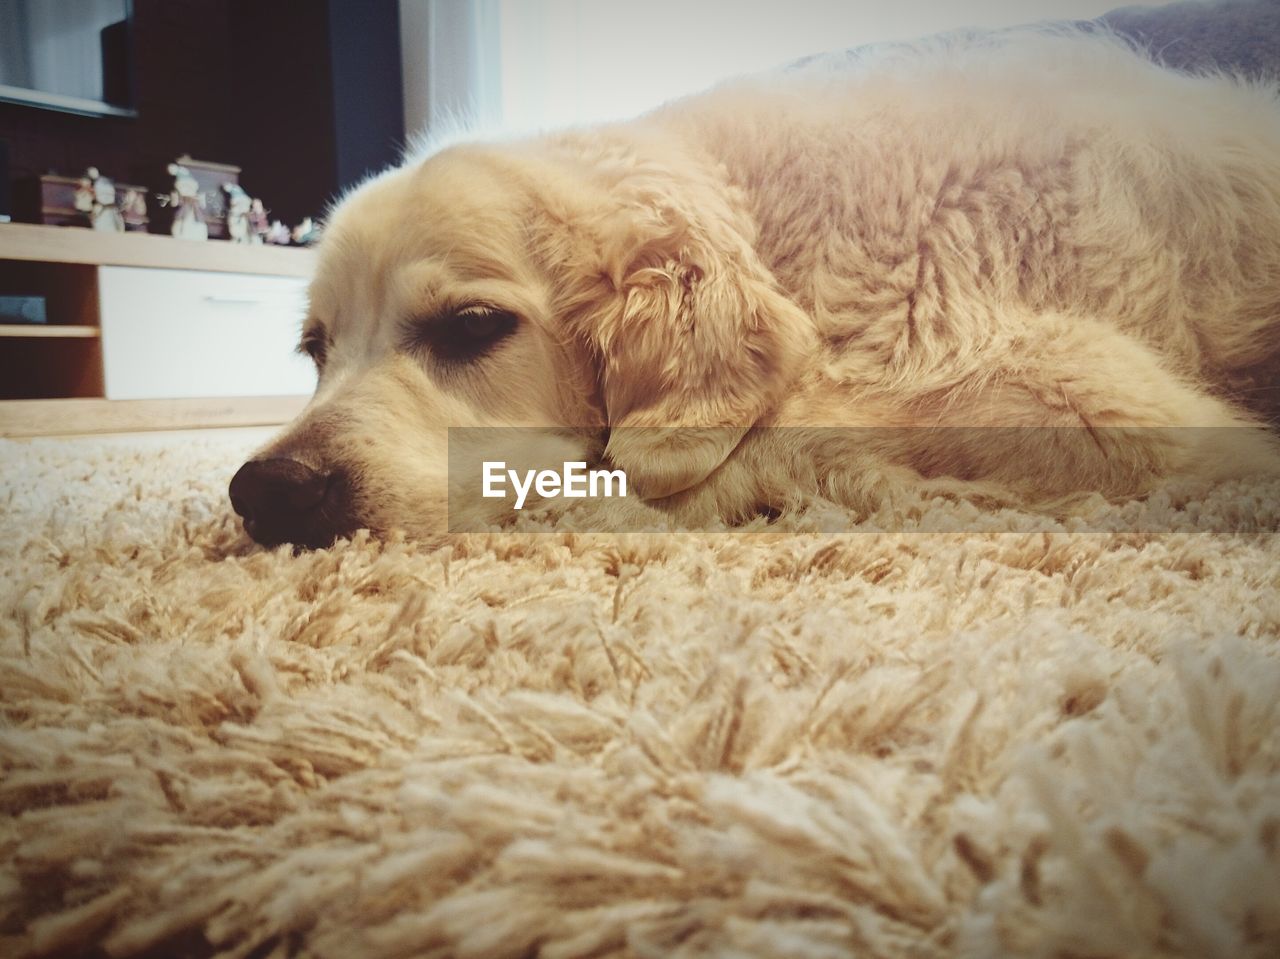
point(696, 343)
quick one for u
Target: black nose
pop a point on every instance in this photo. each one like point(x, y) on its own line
point(284, 501)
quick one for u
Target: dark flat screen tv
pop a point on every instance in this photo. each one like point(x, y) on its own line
point(69, 55)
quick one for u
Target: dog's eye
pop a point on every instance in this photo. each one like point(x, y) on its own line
point(481, 325)
point(316, 346)
point(467, 334)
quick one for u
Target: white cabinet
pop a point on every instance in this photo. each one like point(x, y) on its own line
point(189, 335)
point(169, 334)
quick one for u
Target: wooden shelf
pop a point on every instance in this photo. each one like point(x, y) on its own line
point(64, 417)
point(55, 331)
point(69, 244)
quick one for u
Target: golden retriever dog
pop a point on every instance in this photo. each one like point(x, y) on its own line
point(1033, 265)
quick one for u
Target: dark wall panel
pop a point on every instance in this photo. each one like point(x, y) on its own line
point(368, 100)
point(282, 129)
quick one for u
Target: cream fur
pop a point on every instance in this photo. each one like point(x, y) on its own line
point(1036, 230)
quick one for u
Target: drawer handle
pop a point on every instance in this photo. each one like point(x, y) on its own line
point(231, 300)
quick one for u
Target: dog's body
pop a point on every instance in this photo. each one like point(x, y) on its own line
point(1044, 232)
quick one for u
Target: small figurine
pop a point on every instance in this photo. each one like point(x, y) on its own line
point(239, 209)
point(96, 196)
point(307, 232)
point(134, 209)
point(258, 224)
point(84, 196)
point(278, 234)
point(188, 205)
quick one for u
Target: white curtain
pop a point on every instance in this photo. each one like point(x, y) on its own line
point(523, 65)
point(451, 61)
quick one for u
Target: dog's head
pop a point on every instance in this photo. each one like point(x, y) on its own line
point(583, 283)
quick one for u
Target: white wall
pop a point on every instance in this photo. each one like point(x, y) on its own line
point(546, 63)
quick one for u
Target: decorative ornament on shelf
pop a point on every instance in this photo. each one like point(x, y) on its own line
point(133, 208)
point(240, 216)
point(278, 234)
point(259, 226)
point(96, 196)
point(58, 200)
point(211, 180)
point(188, 205)
point(307, 232)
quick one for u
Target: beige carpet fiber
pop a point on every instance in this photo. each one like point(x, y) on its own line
point(1000, 743)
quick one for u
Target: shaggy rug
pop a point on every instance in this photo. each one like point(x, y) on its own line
point(990, 739)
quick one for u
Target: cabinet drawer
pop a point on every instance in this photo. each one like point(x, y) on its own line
point(184, 333)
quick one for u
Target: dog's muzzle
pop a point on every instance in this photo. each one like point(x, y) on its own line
point(284, 501)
